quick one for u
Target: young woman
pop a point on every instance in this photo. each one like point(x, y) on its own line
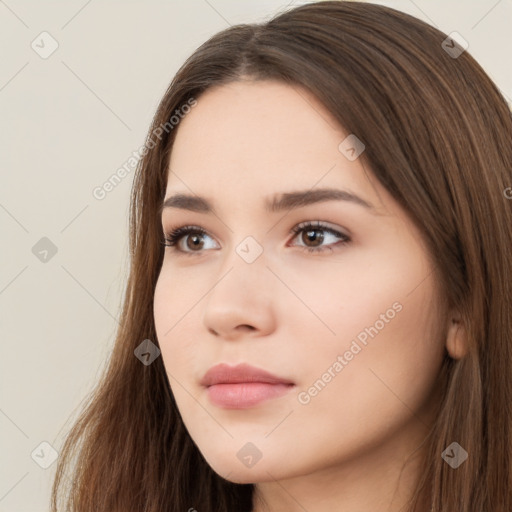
point(317, 315)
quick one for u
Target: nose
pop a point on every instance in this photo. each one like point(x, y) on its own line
point(241, 302)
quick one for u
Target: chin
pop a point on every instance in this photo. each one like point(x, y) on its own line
point(234, 471)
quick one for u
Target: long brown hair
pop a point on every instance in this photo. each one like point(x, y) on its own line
point(438, 137)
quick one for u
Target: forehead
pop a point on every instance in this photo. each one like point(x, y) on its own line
point(256, 138)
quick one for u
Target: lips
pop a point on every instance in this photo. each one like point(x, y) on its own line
point(225, 374)
point(242, 386)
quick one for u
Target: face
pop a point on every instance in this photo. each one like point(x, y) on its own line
point(333, 295)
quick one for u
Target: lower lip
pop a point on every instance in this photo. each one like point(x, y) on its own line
point(245, 394)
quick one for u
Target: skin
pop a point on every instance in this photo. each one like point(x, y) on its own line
point(293, 312)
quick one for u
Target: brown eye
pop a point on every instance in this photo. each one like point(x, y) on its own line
point(313, 236)
point(194, 240)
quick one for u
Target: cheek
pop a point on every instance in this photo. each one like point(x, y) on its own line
point(390, 357)
point(171, 318)
point(163, 310)
point(384, 324)
point(176, 295)
point(180, 330)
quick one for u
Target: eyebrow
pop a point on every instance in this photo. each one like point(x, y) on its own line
point(284, 201)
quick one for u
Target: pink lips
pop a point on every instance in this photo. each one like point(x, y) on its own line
point(242, 386)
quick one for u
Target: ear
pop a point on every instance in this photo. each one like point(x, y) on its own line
point(456, 339)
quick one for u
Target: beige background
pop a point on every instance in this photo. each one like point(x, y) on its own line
point(68, 122)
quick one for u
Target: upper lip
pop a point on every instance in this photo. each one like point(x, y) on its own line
point(225, 374)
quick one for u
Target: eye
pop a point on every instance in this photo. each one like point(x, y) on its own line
point(175, 237)
point(313, 233)
point(190, 240)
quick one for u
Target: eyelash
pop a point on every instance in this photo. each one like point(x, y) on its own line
point(172, 239)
